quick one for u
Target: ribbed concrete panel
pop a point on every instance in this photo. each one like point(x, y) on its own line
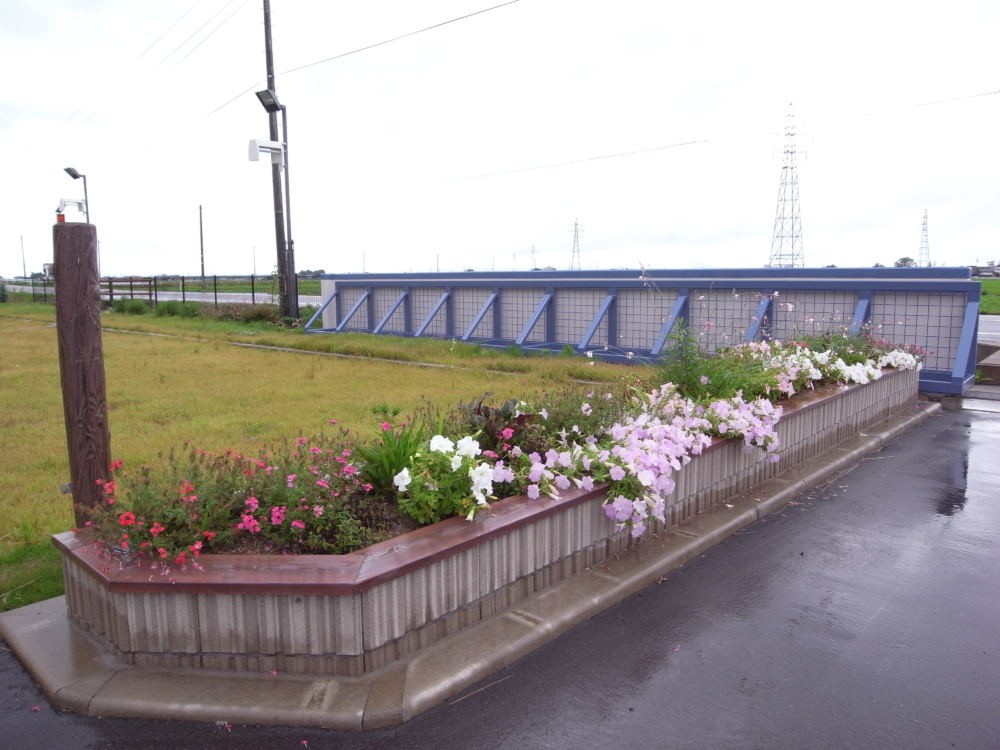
point(160, 623)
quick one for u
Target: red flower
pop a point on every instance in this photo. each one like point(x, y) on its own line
point(209, 535)
point(127, 518)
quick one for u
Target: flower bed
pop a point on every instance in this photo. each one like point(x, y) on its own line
point(353, 613)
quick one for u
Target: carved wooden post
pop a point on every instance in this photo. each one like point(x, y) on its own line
point(81, 363)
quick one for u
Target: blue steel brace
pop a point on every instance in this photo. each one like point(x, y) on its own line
point(482, 314)
point(392, 311)
point(434, 311)
point(965, 357)
point(543, 303)
point(317, 314)
point(862, 311)
point(357, 306)
point(679, 312)
point(759, 326)
point(602, 311)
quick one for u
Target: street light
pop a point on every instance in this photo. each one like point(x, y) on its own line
point(269, 100)
point(86, 203)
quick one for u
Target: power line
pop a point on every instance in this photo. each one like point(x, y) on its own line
point(169, 29)
point(578, 161)
point(367, 47)
point(194, 33)
point(211, 33)
point(397, 38)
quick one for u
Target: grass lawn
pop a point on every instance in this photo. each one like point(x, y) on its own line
point(991, 297)
point(195, 386)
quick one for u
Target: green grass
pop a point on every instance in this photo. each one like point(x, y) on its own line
point(29, 573)
point(194, 385)
point(990, 304)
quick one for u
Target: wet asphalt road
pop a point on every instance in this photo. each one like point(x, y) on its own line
point(864, 615)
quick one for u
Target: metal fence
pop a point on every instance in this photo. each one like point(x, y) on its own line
point(634, 315)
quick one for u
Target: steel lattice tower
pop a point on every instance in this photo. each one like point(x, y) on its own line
point(924, 256)
point(574, 261)
point(786, 242)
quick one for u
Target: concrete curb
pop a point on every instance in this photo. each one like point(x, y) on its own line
point(77, 675)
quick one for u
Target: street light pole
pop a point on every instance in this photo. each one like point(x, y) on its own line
point(86, 200)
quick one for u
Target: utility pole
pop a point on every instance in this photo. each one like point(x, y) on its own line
point(24, 266)
point(201, 236)
point(279, 210)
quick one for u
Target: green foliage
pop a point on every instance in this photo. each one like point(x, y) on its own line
point(852, 349)
point(3, 293)
point(177, 309)
point(440, 487)
point(302, 497)
point(488, 423)
point(702, 376)
point(392, 451)
point(990, 301)
point(129, 306)
point(905, 262)
point(29, 573)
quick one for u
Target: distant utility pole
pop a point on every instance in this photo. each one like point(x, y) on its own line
point(574, 261)
point(201, 236)
point(24, 266)
point(786, 241)
point(924, 256)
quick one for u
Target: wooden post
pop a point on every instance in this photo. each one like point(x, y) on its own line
point(81, 363)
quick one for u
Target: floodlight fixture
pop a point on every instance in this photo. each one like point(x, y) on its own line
point(270, 101)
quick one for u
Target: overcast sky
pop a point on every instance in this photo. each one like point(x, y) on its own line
point(657, 124)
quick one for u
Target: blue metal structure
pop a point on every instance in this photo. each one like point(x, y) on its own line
point(632, 315)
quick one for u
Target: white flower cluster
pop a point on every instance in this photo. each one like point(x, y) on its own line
point(860, 372)
point(900, 360)
point(480, 475)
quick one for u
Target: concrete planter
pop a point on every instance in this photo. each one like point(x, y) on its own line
point(354, 614)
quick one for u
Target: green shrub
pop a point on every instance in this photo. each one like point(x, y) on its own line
point(389, 455)
point(700, 375)
point(3, 293)
point(176, 309)
point(129, 306)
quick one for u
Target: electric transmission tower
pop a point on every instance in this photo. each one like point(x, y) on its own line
point(786, 242)
point(924, 256)
point(574, 261)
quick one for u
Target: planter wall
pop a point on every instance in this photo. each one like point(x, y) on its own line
point(355, 613)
